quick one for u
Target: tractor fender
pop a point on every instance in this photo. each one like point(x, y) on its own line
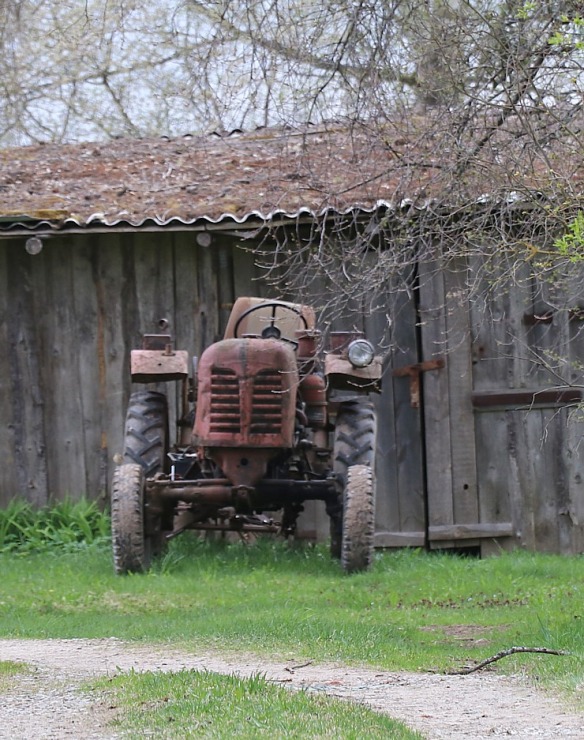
point(153, 366)
point(341, 375)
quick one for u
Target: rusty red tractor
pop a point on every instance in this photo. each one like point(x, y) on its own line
point(269, 420)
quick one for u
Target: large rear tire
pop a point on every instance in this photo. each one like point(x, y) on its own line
point(146, 444)
point(131, 547)
point(146, 432)
point(354, 444)
point(358, 519)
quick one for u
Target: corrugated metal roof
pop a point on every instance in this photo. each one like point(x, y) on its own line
point(204, 180)
point(269, 175)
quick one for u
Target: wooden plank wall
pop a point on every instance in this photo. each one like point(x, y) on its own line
point(70, 316)
point(502, 473)
point(531, 464)
point(68, 320)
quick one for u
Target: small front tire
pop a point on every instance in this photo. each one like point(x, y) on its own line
point(131, 547)
point(354, 444)
point(358, 519)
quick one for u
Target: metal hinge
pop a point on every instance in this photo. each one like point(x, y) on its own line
point(413, 373)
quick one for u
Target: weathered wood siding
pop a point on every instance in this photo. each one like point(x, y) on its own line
point(68, 320)
point(469, 466)
point(503, 432)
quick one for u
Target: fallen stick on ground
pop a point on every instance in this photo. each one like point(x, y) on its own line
point(293, 668)
point(504, 654)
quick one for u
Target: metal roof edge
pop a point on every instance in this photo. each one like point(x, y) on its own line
point(99, 222)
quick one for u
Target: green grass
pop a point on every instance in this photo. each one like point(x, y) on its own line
point(9, 669)
point(12, 668)
point(413, 611)
point(197, 704)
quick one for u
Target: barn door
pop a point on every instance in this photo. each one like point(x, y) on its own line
point(400, 505)
point(456, 515)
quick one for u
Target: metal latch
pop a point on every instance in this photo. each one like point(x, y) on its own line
point(413, 373)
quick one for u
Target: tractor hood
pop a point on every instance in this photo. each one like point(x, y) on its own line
point(246, 394)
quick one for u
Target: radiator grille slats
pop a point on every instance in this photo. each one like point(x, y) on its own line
point(266, 417)
point(225, 413)
point(266, 403)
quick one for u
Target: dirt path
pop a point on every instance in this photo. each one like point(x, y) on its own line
point(47, 705)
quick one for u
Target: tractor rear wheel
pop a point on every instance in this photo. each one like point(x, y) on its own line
point(358, 519)
point(146, 432)
point(132, 549)
point(354, 444)
point(146, 444)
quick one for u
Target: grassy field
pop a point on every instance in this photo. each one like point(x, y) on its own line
point(413, 611)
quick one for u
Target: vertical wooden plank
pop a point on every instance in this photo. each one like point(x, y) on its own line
point(60, 374)
point(207, 308)
point(494, 475)
point(90, 365)
point(436, 397)
point(573, 450)
point(519, 301)
point(387, 509)
point(543, 462)
point(245, 281)
point(462, 432)
point(10, 483)
point(25, 347)
point(154, 280)
point(573, 460)
point(117, 332)
point(558, 442)
point(225, 283)
point(187, 334)
point(186, 293)
point(155, 296)
point(399, 422)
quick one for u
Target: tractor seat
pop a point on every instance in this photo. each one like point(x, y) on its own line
point(286, 321)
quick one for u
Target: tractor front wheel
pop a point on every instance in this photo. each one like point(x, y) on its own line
point(132, 549)
point(354, 444)
point(358, 519)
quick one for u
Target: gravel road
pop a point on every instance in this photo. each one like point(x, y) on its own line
point(47, 703)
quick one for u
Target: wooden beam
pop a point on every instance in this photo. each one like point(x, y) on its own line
point(526, 399)
point(399, 539)
point(470, 531)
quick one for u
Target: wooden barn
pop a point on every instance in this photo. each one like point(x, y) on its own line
point(479, 439)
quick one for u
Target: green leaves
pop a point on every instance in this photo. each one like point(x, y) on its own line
point(66, 526)
point(571, 244)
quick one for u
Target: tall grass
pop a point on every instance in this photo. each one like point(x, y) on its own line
point(66, 526)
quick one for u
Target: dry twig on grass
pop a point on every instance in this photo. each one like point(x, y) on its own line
point(504, 654)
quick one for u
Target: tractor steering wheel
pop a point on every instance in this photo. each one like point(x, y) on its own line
point(271, 330)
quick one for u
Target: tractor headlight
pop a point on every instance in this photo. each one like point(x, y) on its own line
point(360, 353)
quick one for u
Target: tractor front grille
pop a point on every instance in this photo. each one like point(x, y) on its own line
point(225, 413)
point(266, 415)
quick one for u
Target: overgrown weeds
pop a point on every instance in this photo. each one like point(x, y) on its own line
point(66, 526)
